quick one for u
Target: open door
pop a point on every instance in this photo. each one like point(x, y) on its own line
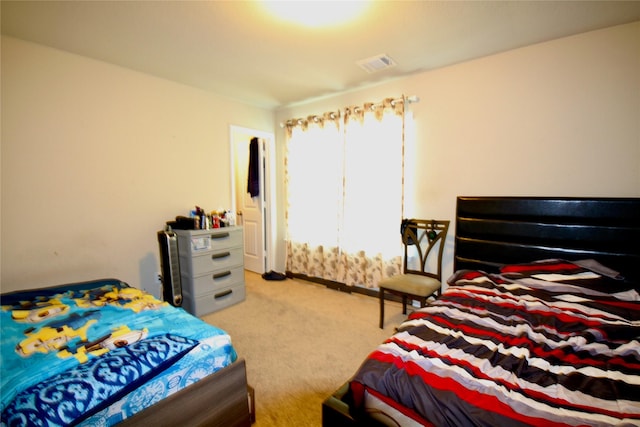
point(252, 212)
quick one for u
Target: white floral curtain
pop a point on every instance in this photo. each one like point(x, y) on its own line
point(313, 170)
point(344, 181)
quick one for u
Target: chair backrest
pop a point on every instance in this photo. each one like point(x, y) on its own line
point(424, 241)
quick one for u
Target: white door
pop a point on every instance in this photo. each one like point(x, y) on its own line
point(251, 211)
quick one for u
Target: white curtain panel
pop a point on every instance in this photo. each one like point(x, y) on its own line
point(344, 180)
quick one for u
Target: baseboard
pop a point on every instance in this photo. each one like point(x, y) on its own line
point(338, 286)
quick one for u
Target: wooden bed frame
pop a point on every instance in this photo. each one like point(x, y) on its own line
point(493, 231)
point(220, 399)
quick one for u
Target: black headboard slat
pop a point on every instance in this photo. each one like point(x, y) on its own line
point(579, 236)
point(493, 231)
point(588, 209)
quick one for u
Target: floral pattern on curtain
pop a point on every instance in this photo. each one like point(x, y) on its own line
point(344, 184)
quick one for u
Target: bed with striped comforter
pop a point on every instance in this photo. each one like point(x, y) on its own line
point(550, 343)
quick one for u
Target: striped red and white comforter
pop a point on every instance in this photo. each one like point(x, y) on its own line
point(514, 349)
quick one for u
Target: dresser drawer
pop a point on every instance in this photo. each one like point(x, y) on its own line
point(194, 242)
point(225, 238)
point(212, 261)
point(214, 301)
point(212, 282)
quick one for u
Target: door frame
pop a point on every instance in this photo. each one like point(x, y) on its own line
point(269, 214)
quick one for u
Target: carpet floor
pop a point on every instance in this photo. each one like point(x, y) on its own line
point(301, 342)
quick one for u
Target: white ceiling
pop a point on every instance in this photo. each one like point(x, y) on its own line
point(236, 49)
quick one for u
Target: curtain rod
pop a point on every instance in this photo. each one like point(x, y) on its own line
point(407, 99)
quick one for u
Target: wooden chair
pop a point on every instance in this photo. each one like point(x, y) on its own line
point(422, 265)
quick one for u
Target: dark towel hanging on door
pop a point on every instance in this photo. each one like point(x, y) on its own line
point(253, 177)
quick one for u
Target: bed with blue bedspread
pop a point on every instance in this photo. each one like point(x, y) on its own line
point(99, 352)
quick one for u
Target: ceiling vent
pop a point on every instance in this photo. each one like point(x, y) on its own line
point(376, 63)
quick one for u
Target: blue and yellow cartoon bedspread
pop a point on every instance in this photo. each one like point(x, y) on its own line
point(69, 353)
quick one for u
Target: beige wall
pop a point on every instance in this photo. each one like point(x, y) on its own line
point(560, 118)
point(95, 159)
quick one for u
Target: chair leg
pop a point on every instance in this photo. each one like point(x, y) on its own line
point(381, 308)
point(404, 304)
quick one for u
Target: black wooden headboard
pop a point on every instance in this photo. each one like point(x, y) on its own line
point(493, 231)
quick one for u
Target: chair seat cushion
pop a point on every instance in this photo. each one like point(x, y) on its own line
point(413, 284)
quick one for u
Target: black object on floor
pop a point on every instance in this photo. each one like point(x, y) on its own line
point(274, 275)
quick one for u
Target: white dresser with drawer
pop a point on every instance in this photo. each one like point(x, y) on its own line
point(211, 268)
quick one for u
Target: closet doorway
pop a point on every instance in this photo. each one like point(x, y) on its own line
point(254, 214)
